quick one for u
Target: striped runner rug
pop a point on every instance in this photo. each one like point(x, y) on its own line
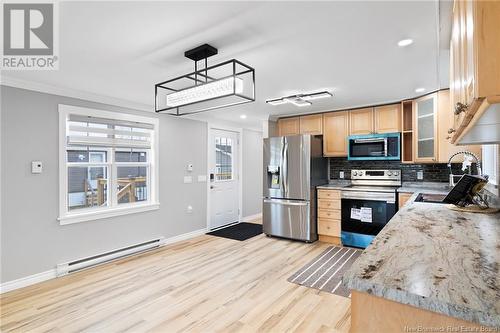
point(326, 270)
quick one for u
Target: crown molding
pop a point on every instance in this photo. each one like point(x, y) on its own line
point(73, 93)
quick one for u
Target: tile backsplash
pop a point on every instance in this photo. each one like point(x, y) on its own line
point(437, 172)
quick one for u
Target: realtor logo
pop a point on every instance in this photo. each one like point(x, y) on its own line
point(29, 36)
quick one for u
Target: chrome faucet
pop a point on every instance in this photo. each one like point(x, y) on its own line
point(465, 164)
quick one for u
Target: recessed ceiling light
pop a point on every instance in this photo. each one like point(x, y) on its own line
point(419, 90)
point(243, 116)
point(405, 42)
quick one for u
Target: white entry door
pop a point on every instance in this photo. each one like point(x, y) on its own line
point(224, 178)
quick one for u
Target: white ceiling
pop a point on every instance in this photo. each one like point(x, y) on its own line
point(121, 49)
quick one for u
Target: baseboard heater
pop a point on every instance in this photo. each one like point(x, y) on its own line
point(77, 265)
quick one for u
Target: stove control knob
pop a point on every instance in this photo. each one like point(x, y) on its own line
point(389, 173)
point(361, 173)
point(395, 173)
point(354, 173)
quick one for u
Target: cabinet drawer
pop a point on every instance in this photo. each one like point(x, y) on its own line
point(329, 214)
point(329, 227)
point(329, 204)
point(328, 194)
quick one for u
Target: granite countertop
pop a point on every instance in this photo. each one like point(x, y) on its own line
point(427, 187)
point(435, 258)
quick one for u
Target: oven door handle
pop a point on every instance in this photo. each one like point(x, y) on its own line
point(369, 196)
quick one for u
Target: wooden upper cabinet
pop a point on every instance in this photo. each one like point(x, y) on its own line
point(361, 121)
point(289, 126)
point(335, 132)
point(388, 118)
point(474, 65)
point(312, 124)
point(445, 130)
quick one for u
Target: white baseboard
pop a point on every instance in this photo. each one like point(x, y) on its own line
point(27, 281)
point(51, 274)
point(185, 236)
point(251, 217)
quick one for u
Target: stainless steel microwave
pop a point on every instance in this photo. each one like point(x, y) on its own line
point(385, 146)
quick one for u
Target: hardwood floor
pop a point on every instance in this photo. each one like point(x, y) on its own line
point(205, 284)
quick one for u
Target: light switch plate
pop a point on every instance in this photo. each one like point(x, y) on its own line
point(420, 175)
point(188, 179)
point(202, 178)
point(36, 167)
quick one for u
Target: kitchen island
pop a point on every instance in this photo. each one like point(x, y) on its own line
point(430, 268)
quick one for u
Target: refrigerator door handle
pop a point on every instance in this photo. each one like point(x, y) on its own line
point(286, 202)
point(285, 168)
point(282, 167)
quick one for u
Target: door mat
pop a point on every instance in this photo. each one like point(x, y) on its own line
point(241, 231)
point(325, 271)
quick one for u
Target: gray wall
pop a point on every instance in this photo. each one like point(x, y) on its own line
point(32, 240)
point(252, 172)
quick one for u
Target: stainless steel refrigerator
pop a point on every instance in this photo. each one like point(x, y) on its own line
point(293, 167)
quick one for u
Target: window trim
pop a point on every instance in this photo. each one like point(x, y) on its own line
point(67, 217)
point(490, 160)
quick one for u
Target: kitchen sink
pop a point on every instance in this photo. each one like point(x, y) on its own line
point(431, 198)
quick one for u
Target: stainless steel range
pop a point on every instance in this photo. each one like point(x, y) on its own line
point(368, 204)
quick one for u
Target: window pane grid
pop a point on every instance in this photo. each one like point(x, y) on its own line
point(87, 187)
point(223, 159)
point(132, 183)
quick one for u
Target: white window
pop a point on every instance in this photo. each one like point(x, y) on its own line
point(223, 158)
point(490, 165)
point(107, 164)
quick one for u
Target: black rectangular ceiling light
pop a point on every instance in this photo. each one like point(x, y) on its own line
point(226, 84)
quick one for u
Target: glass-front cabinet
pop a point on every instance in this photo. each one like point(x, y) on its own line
point(426, 129)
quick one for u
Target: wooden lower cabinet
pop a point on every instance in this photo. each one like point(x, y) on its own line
point(403, 198)
point(375, 314)
point(329, 216)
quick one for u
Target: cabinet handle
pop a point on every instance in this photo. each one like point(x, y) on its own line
point(451, 130)
point(461, 107)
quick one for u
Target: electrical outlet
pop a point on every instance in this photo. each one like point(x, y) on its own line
point(341, 174)
point(189, 209)
point(420, 175)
